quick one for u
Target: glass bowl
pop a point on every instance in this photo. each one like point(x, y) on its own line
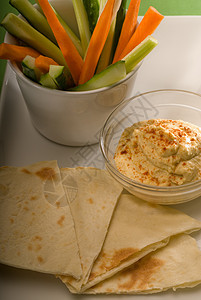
point(159, 104)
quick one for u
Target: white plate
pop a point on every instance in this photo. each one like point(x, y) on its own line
point(174, 63)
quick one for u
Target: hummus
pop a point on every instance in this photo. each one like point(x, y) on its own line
point(160, 152)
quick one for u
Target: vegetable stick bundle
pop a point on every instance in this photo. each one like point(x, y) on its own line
point(105, 40)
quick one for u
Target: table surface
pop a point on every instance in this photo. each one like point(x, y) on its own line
point(170, 7)
point(174, 63)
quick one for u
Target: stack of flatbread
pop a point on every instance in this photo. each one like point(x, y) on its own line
point(78, 224)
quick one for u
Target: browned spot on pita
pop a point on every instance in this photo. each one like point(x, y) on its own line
point(30, 248)
point(46, 173)
point(90, 200)
point(3, 190)
point(26, 171)
point(11, 220)
point(121, 255)
point(33, 198)
point(103, 207)
point(140, 274)
point(26, 208)
point(112, 260)
point(58, 204)
point(66, 279)
point(60, 221)
point(38, 247)
point(18, 253)
point(40, 259)
point(37, 238)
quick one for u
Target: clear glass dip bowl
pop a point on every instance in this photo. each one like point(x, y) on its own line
point(159, 104)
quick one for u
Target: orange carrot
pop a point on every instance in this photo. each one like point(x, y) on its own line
point(15, 52)
point(43, 63)
point(147, 26)
point(128, 27)
point(70, 53)
point(97, 42)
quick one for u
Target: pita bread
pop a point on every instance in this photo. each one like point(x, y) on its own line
point(92, 195)
point(137, 228)
point(177, 265)
point(36, 226)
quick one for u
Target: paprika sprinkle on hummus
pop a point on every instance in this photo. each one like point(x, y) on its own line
point(160, 152)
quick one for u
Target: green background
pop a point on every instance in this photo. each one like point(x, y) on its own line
point(166, 7)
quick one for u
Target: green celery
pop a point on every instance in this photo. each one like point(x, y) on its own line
point(26, 33)
point(83, 23)
point(34, 17)
point(139, 52)
point(101, 5)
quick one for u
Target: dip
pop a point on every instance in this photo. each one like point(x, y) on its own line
point(160, 152)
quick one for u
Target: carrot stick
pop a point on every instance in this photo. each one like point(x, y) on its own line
point(15, 52)
point(128, 27)
point(70, 53)
point(43, 63)
point(97, 42)
point(147, 26)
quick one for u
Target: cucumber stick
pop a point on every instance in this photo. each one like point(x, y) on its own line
point(107, 77)
point(60, 77)
point(92, 9)
point(83, 23)
point(47, 81)
point(34, 17)
point(119, 23)
point(29, 69)
point(56, 78)
point(26, 33)
point(139, 52)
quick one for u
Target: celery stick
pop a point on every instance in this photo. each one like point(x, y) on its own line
point(139, 52)
point(92, 9)
point(107, 77)
point(101, 5)
point(34, 17)
point(26, 33)
point(83, 23)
